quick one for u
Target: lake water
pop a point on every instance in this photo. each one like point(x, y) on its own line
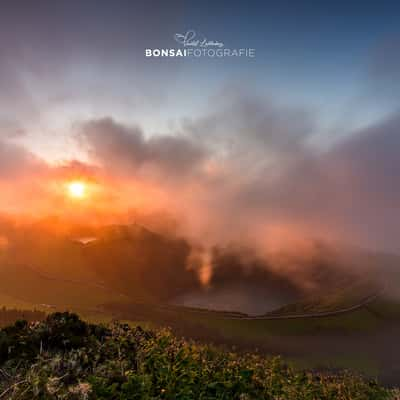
point(251, 300)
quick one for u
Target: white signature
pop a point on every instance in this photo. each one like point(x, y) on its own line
point(191, 39)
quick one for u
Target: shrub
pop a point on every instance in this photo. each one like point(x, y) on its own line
point(66, 358)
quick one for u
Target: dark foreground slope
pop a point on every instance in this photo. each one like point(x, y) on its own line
point(65, 358)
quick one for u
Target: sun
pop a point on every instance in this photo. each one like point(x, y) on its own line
point(76, 189)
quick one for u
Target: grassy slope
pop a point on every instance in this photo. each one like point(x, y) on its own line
point(25, 289)
point(351, 340)
point(24, 285)
point(291, 338)
point(66, 358)
point(336, 299)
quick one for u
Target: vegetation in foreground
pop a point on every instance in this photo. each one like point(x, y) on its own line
point(66, 358)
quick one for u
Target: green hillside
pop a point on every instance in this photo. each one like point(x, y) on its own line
point(21, 285)
point(66, 358)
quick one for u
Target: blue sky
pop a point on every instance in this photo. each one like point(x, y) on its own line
point(303, 137)
point(69, 61)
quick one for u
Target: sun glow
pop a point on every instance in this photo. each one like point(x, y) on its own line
point(76, 189)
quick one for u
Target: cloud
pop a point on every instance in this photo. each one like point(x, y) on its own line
point(369, 166)
point(126, 151)
point(252, 130)
point(47, 64)
point(384, 68)
point(348, 191)
point(246, 172)
point(20, 177)
point(203, 172)
point(17, 162)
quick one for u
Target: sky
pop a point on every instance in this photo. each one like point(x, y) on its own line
point(301, 138)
